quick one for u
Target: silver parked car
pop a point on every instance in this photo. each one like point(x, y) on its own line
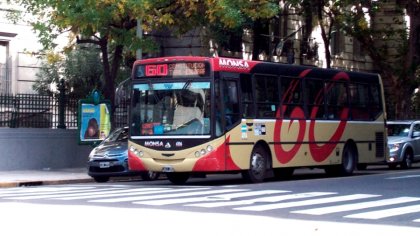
point(110, 159)
point(403, 143)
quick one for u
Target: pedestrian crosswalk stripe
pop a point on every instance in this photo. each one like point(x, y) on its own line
point(32, 190)
point(197, 192)
point(42, 195)
point(306, 202)
point(220, 197)
point(375, 215)
point(276, 198)
point(111, 193)
point(356, 206)
point(139, 192)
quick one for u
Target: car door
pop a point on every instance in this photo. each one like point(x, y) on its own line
point(416, 140)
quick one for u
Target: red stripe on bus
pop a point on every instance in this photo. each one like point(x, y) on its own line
point(218, 160)
point(134, 163)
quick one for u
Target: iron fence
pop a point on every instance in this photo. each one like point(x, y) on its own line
point(43, 111)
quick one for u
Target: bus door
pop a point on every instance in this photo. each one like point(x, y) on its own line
point(227, 107)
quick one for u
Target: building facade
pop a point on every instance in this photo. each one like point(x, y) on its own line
point(19, 52)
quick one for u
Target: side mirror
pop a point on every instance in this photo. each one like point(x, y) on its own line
point(416, 134)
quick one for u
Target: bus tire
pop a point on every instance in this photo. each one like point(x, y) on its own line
point(258, 166)
point(178, 178)
point(149, 175)
point(348, 163)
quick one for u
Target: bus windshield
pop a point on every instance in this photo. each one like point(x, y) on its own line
point(171, 108)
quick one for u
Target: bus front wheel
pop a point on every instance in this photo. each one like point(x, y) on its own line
point(178, 178)
point(258, 166)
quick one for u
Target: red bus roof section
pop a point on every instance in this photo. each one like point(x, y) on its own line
point(217, 63)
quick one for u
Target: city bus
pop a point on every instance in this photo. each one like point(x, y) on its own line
point(201, 115)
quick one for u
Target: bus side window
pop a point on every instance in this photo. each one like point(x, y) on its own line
point(247, 96)
point(375, 102)
point(314, 90)
point(231, 102)
point(359, 97)
point(336, 100)
point(267, 95)
point(291, 96)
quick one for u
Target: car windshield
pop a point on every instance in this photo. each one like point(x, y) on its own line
point(400, 130)
point(119, 135)
point(173, 108)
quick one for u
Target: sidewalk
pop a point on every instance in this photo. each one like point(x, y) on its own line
point(43, 177)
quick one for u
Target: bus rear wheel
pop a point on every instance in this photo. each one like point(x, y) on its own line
point(258, 166)
point(348, 163)
point(178, 178)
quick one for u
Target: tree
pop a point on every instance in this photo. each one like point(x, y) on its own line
point(393, 48)
point(81, 68)
point(111, 24)
point(394, 52)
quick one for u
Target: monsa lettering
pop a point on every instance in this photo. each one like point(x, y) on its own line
point(234, 63)
point(153, 143)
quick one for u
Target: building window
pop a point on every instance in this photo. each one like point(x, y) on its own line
point(337, 42)
point(5, 85)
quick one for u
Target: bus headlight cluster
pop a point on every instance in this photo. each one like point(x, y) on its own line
point(204, 151)
point(136, 151)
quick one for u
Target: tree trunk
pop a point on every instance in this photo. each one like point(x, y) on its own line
point(324, 34)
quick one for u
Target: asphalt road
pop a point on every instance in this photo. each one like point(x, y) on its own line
point(376, 200)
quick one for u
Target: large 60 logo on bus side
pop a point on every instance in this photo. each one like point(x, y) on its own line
point(319, 152)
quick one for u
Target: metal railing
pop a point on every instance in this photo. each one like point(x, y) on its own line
point(43, 111)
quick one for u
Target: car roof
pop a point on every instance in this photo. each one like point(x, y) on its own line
point(401, 121)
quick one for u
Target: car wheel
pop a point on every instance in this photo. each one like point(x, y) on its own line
point(101, 179)
point(178, 178)
point(150, 175)
point(407, 160)
point(258, 166)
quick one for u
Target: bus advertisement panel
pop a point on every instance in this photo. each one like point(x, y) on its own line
point(212, 115)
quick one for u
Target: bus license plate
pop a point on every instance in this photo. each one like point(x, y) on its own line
point(167, 169)
point(104, 164)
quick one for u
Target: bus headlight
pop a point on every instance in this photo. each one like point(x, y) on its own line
point(136, 152)
point(204, 151)
point(197, 154)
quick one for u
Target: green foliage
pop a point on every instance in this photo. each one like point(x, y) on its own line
point(81, 70)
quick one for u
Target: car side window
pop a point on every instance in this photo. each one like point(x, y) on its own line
point(416, 128)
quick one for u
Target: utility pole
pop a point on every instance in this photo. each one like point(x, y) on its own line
point(139, 33)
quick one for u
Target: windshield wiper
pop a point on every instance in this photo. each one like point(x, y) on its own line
point(187, 84)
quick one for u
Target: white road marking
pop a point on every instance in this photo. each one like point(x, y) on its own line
point(405, 177)
point(114, 193)
point(263, 199)
point(42, 195)
point(197, 192)
point(220, 197)
point(356, 206)
point(375, 215)
point(306, 202)
point(32, 190)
